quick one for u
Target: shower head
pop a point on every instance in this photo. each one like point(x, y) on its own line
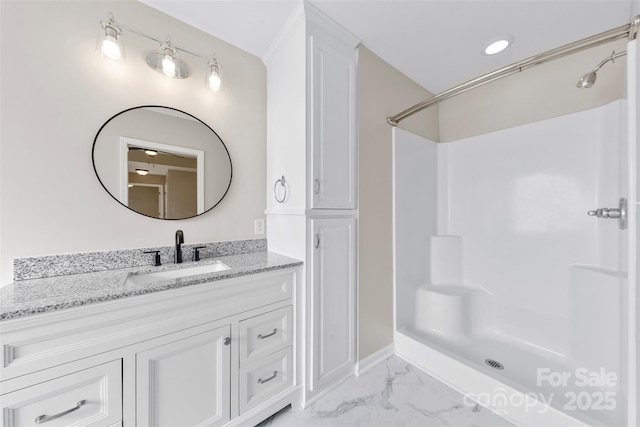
point(589, 79)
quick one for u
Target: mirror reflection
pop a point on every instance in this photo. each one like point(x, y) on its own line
point(162, 162)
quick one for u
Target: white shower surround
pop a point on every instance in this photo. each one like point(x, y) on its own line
point(547, 274)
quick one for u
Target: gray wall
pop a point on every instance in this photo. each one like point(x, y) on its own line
point(383, 91)
point(57, 92)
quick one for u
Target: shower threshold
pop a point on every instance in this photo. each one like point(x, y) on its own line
point(460, 362)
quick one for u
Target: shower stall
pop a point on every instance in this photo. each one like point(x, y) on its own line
point(515, 258)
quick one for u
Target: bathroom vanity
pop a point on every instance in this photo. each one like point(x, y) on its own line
point(101, 349)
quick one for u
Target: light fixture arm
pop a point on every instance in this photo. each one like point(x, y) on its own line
point(111, 26)
point(111, 22)
point(168, 48)
point(213, 63)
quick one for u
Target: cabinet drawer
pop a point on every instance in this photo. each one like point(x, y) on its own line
point(265, 334)
point(264, 379)
point(92, 397)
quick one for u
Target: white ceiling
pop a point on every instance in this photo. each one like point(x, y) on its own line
point(437, 43)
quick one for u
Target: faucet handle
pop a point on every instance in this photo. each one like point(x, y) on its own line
point(156, 257)
point(196, 253)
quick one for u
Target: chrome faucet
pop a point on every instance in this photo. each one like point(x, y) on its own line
point(178, 254)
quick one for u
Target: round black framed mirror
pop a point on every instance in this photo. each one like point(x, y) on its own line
point(162, 162)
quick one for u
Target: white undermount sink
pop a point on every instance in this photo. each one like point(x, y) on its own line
point(214, 267)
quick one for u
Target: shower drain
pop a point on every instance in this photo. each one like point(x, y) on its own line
point(494, 364)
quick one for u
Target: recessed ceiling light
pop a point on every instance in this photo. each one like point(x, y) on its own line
point(498, 44)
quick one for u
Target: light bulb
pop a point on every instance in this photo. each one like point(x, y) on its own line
point(214, 81)
point(168, 66)
point(110, 48)
point(109, 44)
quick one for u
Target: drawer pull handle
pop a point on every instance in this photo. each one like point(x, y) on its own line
point(44, 418)
point(261, 381)
point(261, 337)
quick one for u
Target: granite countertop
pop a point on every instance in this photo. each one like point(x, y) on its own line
point(29, 297)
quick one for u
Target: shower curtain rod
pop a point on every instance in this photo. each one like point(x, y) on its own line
point(629, 30)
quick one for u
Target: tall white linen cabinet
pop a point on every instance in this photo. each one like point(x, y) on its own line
point(312, 165)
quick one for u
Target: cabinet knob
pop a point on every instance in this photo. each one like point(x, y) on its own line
point(227, 341)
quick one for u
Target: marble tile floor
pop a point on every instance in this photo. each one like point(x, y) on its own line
point(393, 393)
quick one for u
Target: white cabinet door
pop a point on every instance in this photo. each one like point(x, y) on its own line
point(333, 131)
point(185, 382)
point(332, 302)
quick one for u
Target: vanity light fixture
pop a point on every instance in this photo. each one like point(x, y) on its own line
point(109, 42)
point(166, 60)
point(213, 76)
point(142, 172)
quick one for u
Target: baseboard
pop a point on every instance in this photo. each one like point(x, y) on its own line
point(374, 359)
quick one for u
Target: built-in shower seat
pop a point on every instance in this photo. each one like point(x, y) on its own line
point(447, 305)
